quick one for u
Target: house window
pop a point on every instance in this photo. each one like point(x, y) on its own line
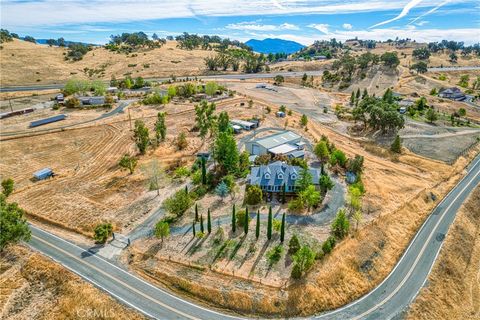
point(294, 176)
point(267, 176)
point(280, 176)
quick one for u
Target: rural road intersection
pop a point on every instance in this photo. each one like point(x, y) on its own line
point(386, 301)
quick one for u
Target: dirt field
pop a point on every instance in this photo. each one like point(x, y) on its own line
point(89, 186)
point(35, 287)
point(27, 63)
point(16, 101)
point(453, 287)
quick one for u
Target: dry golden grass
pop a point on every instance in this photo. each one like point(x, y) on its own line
point(34, 287)
point(453, 289)
point(23, 63)
point(396, 203)
point(90, 187)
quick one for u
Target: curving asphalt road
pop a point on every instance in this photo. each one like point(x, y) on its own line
point(239, 76)
point(387, 301)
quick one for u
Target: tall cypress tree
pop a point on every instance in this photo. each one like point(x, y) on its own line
point(209, 222)
point(196, 212)
point(201, 224)
point(186, 189)
point(257, 227)
point(245, 223)
point(269, 224)
point(234, 220)
point(282, 229)
point(352, 99)
point(204, 171)
point(193, 229)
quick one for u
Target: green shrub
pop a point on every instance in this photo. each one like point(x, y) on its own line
point(293, 245)
point(253, 195)
point(328, 245)
point(240, 217)
point(102, 232)
point(274, 255)
point(178, 203)
point(296, 205)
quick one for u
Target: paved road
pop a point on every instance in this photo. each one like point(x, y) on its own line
point(386, 301)
point(395, 293)
point(131, 290)
point(454, 68)
point(238, 76)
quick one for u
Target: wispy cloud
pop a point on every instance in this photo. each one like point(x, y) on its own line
point(347, 26)
point(425, 35)
point(405, 11)
point(54, 12)
point(249, 26)
point(322, 27)
point(430, 11)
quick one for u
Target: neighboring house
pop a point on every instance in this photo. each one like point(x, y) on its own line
point(319, 57)
point(261, 86)
point(272, 177)
point(265, 145)
point(280, 114)
point(452, 93)
point(92, 101)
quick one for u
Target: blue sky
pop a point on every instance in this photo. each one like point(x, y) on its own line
point(299, 20)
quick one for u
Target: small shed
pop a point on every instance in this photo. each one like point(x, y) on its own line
point(42, 122)
point(280, 114)
point(43, 174)
point(246, 125)
point(92, 101)
point(236, 129)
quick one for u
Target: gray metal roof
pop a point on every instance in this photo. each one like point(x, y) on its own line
point(277, 139)
point(279, 173)
point(282, 149)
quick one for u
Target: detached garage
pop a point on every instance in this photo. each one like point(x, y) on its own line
point(264, 145)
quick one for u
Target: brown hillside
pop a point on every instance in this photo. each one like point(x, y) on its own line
point(23, 63)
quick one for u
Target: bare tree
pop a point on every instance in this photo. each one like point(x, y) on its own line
point(155, 175)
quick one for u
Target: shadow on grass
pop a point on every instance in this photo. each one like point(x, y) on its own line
point(237, 247)
point(260, 255)
point(188, 243)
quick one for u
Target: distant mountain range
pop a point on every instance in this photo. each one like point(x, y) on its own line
point(274, 46)
point(67, 42)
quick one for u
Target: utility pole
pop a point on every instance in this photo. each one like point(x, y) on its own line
point(130, 119)
point(10, 102)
